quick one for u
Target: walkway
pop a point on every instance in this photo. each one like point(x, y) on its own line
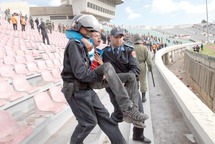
point(168, 124)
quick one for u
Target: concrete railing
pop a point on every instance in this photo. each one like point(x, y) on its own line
point(200, 119)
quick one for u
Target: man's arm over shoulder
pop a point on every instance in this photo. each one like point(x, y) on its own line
point(79, 62)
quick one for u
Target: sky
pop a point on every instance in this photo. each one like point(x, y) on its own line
point(152, 12)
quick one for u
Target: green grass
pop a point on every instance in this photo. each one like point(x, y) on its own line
point(208, 51)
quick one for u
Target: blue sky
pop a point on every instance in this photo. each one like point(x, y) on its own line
point(153, 12)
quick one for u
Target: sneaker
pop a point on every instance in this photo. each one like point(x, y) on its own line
point(135, 114)
point(137, 124)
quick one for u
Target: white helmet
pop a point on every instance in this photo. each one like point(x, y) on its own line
point(87, 21)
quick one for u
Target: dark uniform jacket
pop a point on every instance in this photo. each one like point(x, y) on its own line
point(125, 61)
point(76, 64)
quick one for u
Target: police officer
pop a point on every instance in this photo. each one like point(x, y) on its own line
point(143, 56)
point(122, 57)
point(76, 75)
point(43, 29)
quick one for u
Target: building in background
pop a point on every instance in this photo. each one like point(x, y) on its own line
point(103, 10)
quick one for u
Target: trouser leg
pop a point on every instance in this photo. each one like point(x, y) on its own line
point(47, 38)
point(108, 126)
point(115, 84)
point(82, 107)
point(138, 132)
point(43, 37)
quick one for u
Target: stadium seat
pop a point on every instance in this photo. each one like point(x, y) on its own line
point(11, 131)
point(32, 67)
point(45, 104)
point(57, 62)
point(29, 58)
point(50, 64)
point(9, 60)
point(21, 84)
point(21, 69)
point(2, 103)
point(56, 73)
point(20, 59)
point(7, 71)
point(48, 77)
point(42, 65)
point(8, 93)
point(56, 94)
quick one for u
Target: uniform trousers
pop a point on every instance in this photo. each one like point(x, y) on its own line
point(89, 111)
point(126, 95)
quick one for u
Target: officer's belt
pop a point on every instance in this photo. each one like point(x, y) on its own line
point(77, 85)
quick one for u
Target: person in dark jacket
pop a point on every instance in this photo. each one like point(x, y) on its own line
point(82, 99)
point(123, 59)
point(43, 30)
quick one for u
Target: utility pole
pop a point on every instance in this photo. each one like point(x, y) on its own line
point(207, 20)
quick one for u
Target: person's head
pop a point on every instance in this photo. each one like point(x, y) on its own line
point(85, 24)
point(116, 37)
point(96, 37)
point(137, 39)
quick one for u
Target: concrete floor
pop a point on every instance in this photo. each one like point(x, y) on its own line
point(168, 124)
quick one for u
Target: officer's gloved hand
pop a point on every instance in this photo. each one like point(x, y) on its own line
point(150, 67)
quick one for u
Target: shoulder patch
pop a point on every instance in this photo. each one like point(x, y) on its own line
point(133, 53)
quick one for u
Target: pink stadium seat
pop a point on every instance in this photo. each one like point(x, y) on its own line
point(8, 93)
point(42, 65)
point(21, 69)
point(56, 94)
point(10, 53)
point(29, 58)
point(48, 77)
point(57, 55)
point(9, 60)
point(45, 56)
point(20, 59)
point(7, 71)
point(56, 73)
point(21, 84)
point(20, 53)
point(2, 103)
point(11, 131)
point(45, 104)
point(51, 55)
point(57, 62)
point(49, 64)
point(32, 67)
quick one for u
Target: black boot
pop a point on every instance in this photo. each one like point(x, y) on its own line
point(138, 135)
point(143, 97)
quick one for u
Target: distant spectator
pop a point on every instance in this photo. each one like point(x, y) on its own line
point(14, 22)
point(59, 27)
point(49, 26)
point(31, 21)
point(37, 22)
point(202, 46)
point(42, 27)
point(23, 23)
point(197, 48)
point(53, 26)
